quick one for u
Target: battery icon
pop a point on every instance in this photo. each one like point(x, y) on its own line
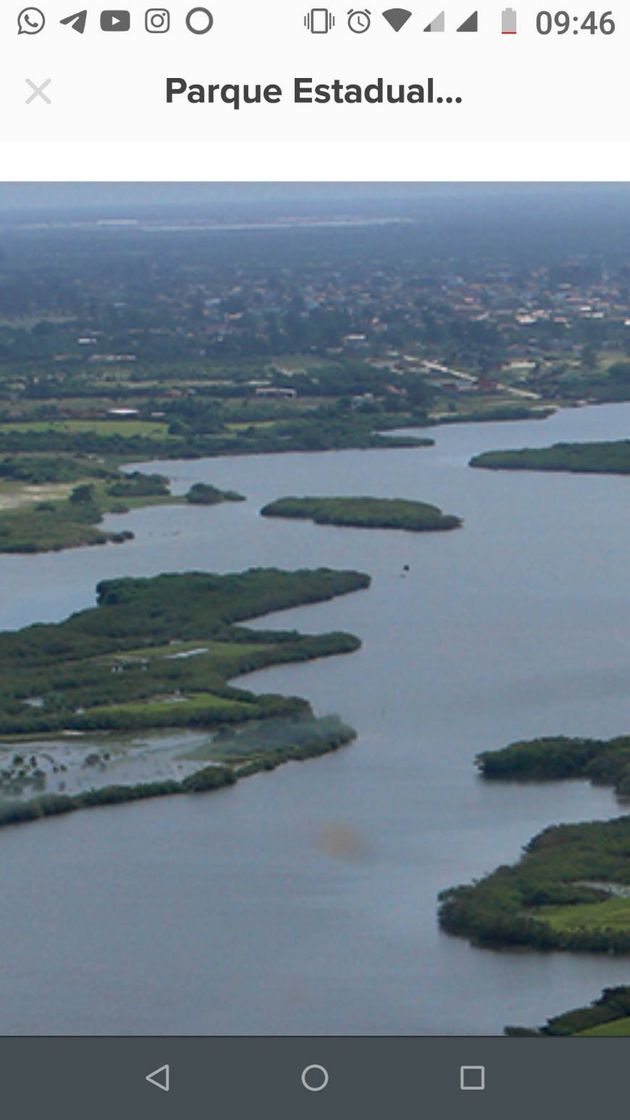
point(508, 21)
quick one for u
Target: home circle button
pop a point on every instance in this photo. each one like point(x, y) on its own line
point(315, 1078)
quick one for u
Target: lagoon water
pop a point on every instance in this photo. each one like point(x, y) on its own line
point(304, 901)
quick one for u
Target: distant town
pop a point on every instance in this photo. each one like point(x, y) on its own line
point(170, 320)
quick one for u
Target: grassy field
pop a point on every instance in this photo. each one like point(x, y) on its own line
point(100, 427)
point(619, 1028)
point(173, 710)
point(242, 426)
point(488, 409)
point(614, 914)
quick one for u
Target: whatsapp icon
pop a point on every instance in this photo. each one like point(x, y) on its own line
point(31, 21)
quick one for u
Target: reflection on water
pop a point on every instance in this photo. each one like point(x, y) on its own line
point(305, 900)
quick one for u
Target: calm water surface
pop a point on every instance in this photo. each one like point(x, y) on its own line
point(304, 901)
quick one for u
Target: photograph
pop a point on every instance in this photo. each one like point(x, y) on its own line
point(314, 644)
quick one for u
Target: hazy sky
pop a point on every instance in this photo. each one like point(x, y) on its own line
point(73, 196)
point(48, 196)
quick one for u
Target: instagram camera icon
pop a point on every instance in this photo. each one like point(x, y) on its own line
point(157, 20)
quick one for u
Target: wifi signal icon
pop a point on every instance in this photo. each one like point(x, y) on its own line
point(396, 17)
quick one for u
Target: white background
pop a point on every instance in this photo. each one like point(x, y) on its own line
point(533, 107)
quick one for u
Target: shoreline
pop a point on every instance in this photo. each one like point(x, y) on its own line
point(208, 779)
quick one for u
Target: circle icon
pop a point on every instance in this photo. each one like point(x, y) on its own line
point(199, 21)
point(31, 21)
point(315, 1078)
point(359, 21)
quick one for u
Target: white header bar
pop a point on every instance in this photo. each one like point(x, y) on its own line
point(359, 100)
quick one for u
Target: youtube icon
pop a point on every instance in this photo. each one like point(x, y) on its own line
point(115, 21)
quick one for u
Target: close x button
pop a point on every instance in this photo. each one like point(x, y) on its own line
point(38, 91)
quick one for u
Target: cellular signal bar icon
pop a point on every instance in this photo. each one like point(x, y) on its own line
point(437, 24)
point(470, 24)
point(508, 21)
point(319, 21)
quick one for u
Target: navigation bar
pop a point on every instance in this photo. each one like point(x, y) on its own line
point(285, 1078)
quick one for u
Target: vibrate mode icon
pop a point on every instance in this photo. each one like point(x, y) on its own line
point(319, 21)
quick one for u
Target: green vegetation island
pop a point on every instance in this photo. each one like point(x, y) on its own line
point(203, 494)
point(365, 513)
point(49, 503)
point(571, 888)
point(607, 1017)
point(608, 457)
point(253, 431)
point(159, 653)
point(601, 761)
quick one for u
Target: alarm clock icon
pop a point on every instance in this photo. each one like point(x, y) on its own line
point(359, 21)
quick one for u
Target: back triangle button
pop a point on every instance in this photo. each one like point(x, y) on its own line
point(161, 1078)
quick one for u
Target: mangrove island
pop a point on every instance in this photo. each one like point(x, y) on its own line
point(365, 513)
point(159, 653)
point(601, 761)
point(610, 457)
point(571, 888)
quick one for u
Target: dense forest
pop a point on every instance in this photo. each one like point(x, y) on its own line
point(365, 513)
point(612, 457)
point(601, 761)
